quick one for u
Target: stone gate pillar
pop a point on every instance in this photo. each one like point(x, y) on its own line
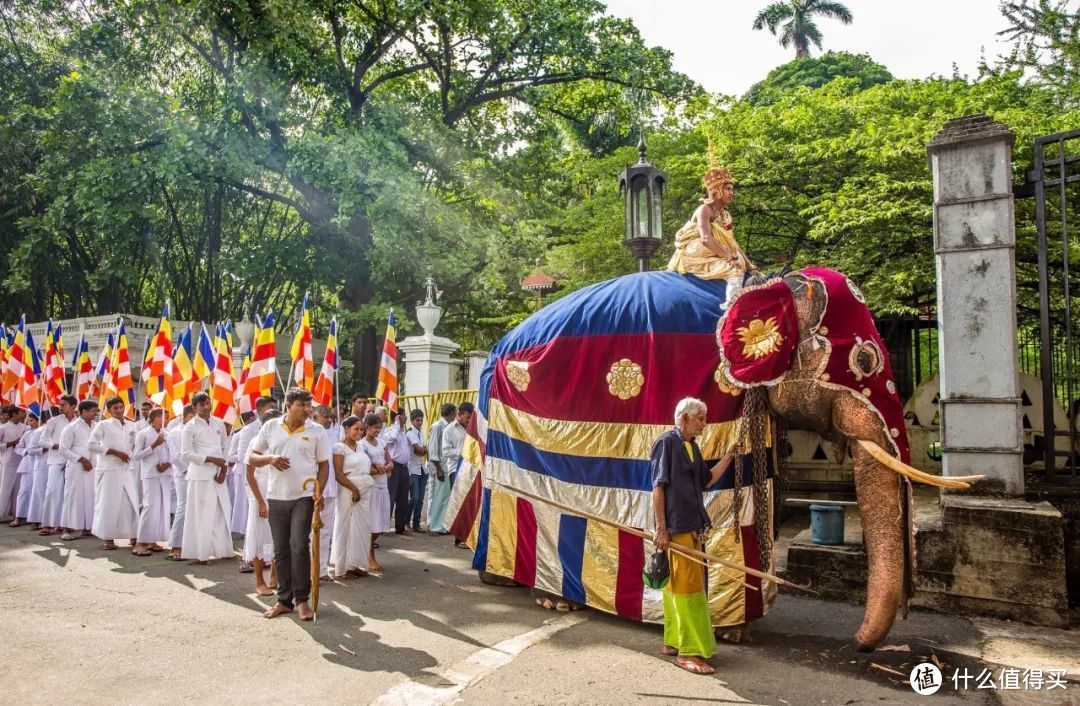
point(975, 242)
point(990, 551)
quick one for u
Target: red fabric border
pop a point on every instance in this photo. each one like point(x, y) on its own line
point(525, 550)
point(754, 606)
point(629, 586)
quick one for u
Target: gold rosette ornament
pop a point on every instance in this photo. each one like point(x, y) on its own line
point(518, 373)
point(625, 379)
point(720, 376)
point(760, 338)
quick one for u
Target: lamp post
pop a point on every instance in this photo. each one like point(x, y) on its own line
point(642, 187)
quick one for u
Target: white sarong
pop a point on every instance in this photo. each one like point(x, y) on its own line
point(116, 504)
point(258, 543)
point(53, 512)
point(206, 525)
point(78, 514)
point(154, 514)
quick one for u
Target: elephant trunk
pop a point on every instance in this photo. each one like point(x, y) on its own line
point(881, 508)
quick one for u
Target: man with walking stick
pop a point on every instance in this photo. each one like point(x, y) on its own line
point(680, 478)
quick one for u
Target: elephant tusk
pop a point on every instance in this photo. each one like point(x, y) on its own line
point(895, 464)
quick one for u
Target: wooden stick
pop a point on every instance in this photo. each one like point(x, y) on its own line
point(685, 551)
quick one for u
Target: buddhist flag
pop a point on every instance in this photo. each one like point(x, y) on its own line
point(303, 368)
point(387, 390)
point(4, 399)
point(205, 357)
point(58, 338)
point(120, 375)
point(29, 392)
point(245, 402)
point(82, 370)
point(15, 370)
point(104, 368)
point(263, 373)
point(182, 374)
point(324, 387)
point(157, 372)
point(223, 391)
point(54, 366)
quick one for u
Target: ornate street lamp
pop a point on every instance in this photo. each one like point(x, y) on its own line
point(642, 186)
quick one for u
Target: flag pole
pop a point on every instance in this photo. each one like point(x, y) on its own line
point(337, 387)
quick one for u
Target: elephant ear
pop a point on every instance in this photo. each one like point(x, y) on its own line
point(758, 335)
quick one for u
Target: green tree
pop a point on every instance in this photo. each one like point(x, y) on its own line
point(795, 21)
point(815, 72)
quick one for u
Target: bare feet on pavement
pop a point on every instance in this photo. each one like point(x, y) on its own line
point(278, 609)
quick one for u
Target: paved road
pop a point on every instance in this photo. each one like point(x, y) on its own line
point(82, 625)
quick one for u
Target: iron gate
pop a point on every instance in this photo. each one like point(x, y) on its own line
point(1054, 183)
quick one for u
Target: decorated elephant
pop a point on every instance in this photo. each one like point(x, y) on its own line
point(571, 401)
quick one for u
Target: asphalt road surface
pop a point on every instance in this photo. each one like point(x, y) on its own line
point(84, 625)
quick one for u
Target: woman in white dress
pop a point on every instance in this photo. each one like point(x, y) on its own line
point(351, 547)
point(258, 543)
point(381, 467)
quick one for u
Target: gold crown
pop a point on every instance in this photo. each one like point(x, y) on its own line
point(716, 176)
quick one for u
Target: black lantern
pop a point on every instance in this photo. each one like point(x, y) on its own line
point(643, 185)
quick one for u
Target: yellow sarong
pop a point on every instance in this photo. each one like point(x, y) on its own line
point(692, 257)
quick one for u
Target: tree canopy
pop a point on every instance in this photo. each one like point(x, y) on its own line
point(233, 155)
point(815, 72)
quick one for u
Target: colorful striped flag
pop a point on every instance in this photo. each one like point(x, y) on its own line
point(205, 357)
point(388, 383)
point(58, 337)
point(15, 370)
point(223, 391)
point(54, 366)
point(157, 371)
point(324, 388)
point(245, 402)
point(29, 393)
point(182, 374)
point(82, 370)
point(4, 399)
point(303, 367)
point(103, 369)
point(263, 373)
point(120, 383)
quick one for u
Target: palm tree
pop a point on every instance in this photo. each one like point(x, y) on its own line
point(795, 19)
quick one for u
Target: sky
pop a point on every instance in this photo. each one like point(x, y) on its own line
point(712, 40)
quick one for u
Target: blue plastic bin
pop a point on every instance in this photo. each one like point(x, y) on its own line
point(827, 524)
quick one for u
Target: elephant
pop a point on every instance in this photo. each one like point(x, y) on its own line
point(571, 400)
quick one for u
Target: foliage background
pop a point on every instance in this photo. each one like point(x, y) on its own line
point(231, 155)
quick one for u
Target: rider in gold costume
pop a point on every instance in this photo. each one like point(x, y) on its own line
point(705, 247)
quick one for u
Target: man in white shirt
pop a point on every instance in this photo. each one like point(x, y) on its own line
point(154, 465)
point(53, 511)
point(10, 434)
point(116, 502)
point(398, 483)
point(295, 449)
point(440, 484)
point(202, 445)
point(453, 440)
point(417, 478)
point(174, 438)
point(323, 416)
point(74, 446)
point(28, 449)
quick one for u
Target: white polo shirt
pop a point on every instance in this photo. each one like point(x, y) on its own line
point(305, 448)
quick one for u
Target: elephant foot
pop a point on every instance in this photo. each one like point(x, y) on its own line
point(491, 579)
point(734, 635)
point(549, 601)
